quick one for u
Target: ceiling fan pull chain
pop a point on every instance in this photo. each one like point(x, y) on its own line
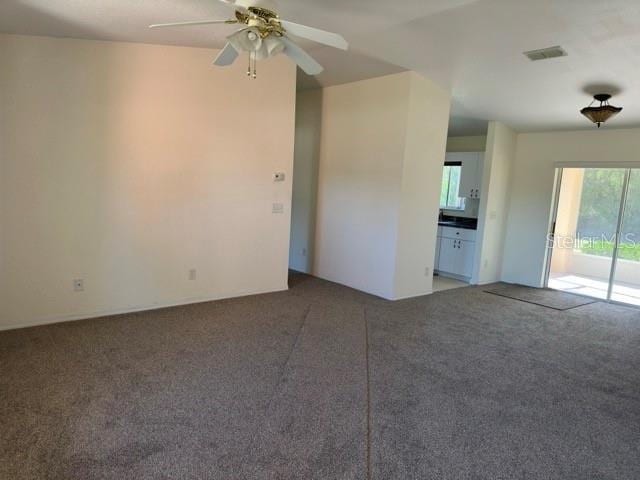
point(255, 63)
point(249, 67)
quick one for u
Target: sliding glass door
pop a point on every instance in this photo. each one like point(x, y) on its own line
point(625, 286)
point(596, 234)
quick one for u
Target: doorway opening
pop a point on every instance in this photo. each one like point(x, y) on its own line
point(595, 236)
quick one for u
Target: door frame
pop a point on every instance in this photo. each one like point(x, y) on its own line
point(551, 230)
point(616, 244)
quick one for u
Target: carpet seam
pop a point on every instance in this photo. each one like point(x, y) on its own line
point(286, 362)
point(368, 393)
point(283, 369)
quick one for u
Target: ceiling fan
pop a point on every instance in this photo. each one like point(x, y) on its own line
point(265, 36)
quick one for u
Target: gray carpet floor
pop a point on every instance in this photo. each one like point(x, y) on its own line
point(324, 382)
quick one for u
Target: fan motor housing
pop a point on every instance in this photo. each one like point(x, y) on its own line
point(263, 13)
point(264, 20)
point(246, 4)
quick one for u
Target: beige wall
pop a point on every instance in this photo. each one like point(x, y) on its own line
point(567, 217)
point(537, 156)
point(592, 266)
point(425, 145)
point(305, 179)
point(467, 144)
point(127, 165)
point(361, 155)
point(494, 204)
point(381, 157)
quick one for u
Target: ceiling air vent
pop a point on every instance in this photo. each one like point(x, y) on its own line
point(545, 53)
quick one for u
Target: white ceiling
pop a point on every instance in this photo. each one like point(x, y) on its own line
point(472, 47)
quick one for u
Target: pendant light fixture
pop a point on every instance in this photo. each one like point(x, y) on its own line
point(603, 112)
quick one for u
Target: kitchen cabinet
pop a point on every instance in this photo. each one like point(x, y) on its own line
point(456, 257)
point(471, 174)
point(456, 251)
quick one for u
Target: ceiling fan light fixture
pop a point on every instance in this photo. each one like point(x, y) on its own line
point(266, 36)
point(246, 40)
point(601, 113)
point(258, 46)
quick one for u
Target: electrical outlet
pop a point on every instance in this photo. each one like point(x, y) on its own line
point(278, 177)
point(277, 208)
point(78, 285)
point(427, 271)
point(192, 274)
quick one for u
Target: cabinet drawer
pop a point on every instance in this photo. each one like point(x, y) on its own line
point(459, 234)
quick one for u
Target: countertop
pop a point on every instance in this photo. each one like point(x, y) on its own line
point(459, 222)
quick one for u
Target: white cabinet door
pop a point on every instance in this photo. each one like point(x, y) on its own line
point(456, 257)
point(468, 177)
point(472, 170)
point(448, 256)
point(466, 251)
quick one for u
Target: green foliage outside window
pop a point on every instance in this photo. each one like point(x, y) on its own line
point(599, 209)
point(449, 198)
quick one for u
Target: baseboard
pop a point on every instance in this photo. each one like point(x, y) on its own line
point(140, 308)
point(453, 276)
point(487, 282)
point(407, 297)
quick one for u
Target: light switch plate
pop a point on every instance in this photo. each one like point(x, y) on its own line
point(277, 208)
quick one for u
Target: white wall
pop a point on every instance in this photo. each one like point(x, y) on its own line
point(381, 157)
point(537, 155)
point(305, 179)
point(494, 203)
point(127, 165)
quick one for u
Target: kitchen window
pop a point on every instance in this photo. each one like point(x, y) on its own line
point(449, 199)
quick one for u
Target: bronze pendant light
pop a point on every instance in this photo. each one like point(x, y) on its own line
point(602, 113)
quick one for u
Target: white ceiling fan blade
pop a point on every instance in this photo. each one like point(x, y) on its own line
point(191, 24)
point(227, 56)
point(319, 36)
point(302, 58)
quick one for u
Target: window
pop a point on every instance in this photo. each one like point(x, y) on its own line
point(449, 199)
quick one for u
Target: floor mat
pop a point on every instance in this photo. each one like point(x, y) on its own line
point(544, 297)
